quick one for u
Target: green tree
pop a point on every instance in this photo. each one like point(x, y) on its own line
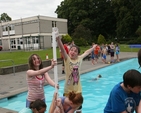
point(138, 31)
point(95, 15)
point(101, 39)
point(127, 13)
point(5, 18)
point(82, 32)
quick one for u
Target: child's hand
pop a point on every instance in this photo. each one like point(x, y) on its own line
point(56, 31)
point(57, 86)
point(53, 63)
point(58, 103)
point(94, 46)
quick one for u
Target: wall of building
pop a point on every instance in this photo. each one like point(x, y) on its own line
point(29, 28)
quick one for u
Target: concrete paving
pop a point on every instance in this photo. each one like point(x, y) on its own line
point(14, 84)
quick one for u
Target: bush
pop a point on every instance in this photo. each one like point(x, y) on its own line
point(66, 38)
point(101, 39)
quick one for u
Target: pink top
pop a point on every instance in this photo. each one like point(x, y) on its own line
point(35, 88)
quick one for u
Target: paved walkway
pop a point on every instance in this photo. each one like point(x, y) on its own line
point(14, 84)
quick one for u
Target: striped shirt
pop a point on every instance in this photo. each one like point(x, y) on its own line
point(35, 88)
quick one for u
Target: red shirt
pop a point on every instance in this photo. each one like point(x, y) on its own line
point(66, 48)
point(96, 50)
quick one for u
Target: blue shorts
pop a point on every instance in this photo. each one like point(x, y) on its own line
point(104, 57)
point(117, 52)
point(92, 56)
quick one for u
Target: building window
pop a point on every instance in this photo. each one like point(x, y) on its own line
point(5, 28)
point(53, 23)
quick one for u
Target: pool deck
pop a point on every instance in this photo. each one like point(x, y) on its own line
point(14, 84)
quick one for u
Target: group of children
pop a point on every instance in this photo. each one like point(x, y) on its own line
point(104, 50)
point(124, 98)
point(36, 76)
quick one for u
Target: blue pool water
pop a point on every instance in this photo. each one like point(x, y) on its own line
point(95, 93)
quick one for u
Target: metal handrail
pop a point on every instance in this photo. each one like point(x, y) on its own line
point(12, 63)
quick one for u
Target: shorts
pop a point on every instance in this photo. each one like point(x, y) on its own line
point(117, 52)
point(112, 54)
point(104, 57)
point(92, 56)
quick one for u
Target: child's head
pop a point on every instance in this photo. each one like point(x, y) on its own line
point(34, 60)
point(74, 51)
point(76, 99)
point(139, 57)
point(99, 76)
point(132, 78)
point(38, 106)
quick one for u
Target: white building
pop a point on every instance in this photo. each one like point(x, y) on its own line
point(30, 33)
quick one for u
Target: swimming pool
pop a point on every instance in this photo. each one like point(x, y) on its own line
point(95, 93)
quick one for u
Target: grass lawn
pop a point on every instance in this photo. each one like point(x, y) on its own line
point(21, 57)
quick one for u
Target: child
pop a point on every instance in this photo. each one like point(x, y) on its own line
point(117, 52)
point(104, 53)
point(112, 51)
point(73, 63)
point(99, 76)
point(66, 104)
point(38, 106)
point(36, 76)
point(125, 96)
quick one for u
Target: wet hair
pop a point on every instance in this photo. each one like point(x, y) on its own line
point(31, 64)
point(99, 76)
point(76, 48)
point(37, 104)
point(76, 98)
point(139, 57)
point(132, 78)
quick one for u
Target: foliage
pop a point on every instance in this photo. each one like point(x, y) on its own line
point(81, 42)
point(101, 39)
point(5, 18)
point(127, 14)
point(95, 15)
point(66, 38)
point(111, 18)
point(138, 31)
point(139, 40)
point(83, 34)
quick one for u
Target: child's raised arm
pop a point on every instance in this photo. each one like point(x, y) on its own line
point(87, 52)
point(60, 44)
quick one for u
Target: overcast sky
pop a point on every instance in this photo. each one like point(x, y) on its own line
point(18, 9)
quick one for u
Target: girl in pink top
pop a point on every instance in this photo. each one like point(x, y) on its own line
point(36, 77)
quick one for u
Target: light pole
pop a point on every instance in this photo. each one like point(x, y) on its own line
point(1, 32)
point(8, 34)
point(9, 37)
